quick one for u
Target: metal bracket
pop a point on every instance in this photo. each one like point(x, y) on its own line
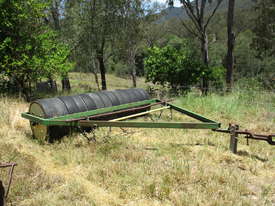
point(84, 133)
point(11, 166)
point(234, 131)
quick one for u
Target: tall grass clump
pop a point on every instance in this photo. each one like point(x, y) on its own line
point(242, 104)
point(4, 112)
point(28, 178)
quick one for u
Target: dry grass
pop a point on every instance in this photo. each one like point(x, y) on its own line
point(83, 82)
point(144, 166)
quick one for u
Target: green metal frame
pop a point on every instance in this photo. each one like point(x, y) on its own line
point(73, 119)
point(174, 125)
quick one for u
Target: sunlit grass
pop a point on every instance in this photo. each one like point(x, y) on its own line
point(145, 166)
point(85, 82)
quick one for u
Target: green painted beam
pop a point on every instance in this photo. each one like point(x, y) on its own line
point(191, 114)
point(176, 125)
point(32, 118)
point(47, 122)
point(172, 125)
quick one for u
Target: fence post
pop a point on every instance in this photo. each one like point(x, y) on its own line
point(233, 138)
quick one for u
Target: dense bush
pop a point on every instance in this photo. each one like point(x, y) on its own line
point(29, 50)
point(177, 68)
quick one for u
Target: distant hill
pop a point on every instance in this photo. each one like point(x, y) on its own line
point(178, 12)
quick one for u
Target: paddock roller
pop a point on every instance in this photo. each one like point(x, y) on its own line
point(54, 117)
point(67, 105)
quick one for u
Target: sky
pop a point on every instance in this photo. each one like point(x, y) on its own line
point(176, 3)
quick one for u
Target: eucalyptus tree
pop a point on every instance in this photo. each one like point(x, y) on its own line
point(264, 28)
point(230, 44)
point(101, 21)
point(54, 18)
point(196, 11)
point(264, 40)
point(132, 34)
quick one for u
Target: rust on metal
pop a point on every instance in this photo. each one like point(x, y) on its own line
point(251, 135)
point(11, 166)
point(234, 131)
point(4, 165)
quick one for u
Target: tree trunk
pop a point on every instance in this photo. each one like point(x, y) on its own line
point(134, 76)
point(102, 71)
point(94, 70)
point(52, 85)
point(96, 80)
point(230, 46)
point(66, 85)
point(55, 14)
point(132, 64)
point(24, 88)
point(205, 58)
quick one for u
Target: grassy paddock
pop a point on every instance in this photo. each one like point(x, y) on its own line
point(85, 82)
point(146, 166)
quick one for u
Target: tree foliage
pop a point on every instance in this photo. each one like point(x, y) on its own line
point(264, 29)
point(105, 35)
point(131, 40)
point(199, 21)
point(28, 49)
point(99, 26)
point(176, 68)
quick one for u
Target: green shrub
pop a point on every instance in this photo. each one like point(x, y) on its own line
point(179, 68)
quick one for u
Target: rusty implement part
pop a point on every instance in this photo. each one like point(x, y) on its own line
point(250, 135)
point(234, 131)
point(268, 138)
point(2, 194)
point(11, 166)
point(5, 165)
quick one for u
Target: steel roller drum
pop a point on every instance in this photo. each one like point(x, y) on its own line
point(64, 105)
point(48, 108)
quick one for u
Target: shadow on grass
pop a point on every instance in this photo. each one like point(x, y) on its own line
point(194, 144)
point(29, 135)
point(246, 154)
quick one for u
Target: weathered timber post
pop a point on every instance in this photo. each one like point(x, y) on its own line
point(233, 138)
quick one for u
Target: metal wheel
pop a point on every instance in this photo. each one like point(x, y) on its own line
point(43, 132)
point(39, 131)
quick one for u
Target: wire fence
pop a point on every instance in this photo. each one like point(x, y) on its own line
point(252, 96)
point(212, 88)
